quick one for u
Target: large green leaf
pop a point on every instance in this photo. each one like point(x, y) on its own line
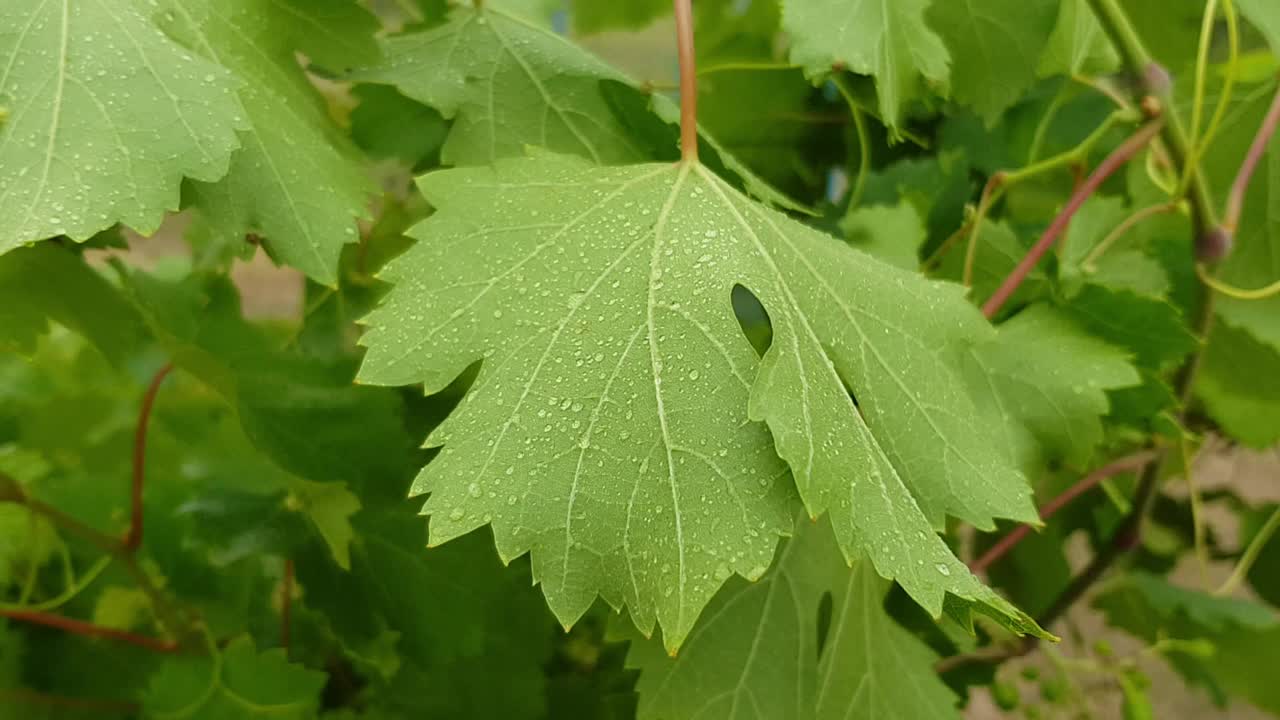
point(888, 40)
point(506, 84)
point(103, 117)
point(290, 142)
point(1049, 377)
point(995, 47)
point(607, 431)
point(762, 651)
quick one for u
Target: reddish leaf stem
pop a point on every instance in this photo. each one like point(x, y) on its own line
point(80, 627)
point(133, 539)
point(286, 605)
point(688, 81)
point(24, 696)
point(1109, 166)
point(1239, 188)
point(1129, 463)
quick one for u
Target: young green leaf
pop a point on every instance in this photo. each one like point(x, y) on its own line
point(1242, 635)
point(550, 88)
point(1150, 328)
point(1078, 45)
point(236, 682)
point(289, 142)
point(889, 40)
point(1266, 17)
point(995, 49)
point(607, 431)
point(1045, 376)
point(103, 118)
point(48, 283)
point(1255, 260)
point(1239, 383)
point(893, 234)
point(758, 652)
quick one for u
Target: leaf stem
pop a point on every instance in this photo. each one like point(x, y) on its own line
point(1000, 182)
point(286, 605)
point(1153, 81)
point(1250, 555)
point(1091, 260)
point(133, 538)
point(864, 141)
point(1239, 188)
point(1201, 142)
point(80, 627)
point(688, 81)
point(1109, 166)
point(1129, 463)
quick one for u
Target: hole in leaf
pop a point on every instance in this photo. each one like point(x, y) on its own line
point(753, 319)
point(824, 619)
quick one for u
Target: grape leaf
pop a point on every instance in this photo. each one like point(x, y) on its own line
point(1255, 260)
point(550, 88)
point(1244, 635)
point(893, 234)
point(1078, 45)
point(758, 651)
point(1152, 329)
point(1119, 267)
point(1049, 377)
point(289, 141)
point(498, 631)
point(50, 283)
point(380, 121)
point(888, 40)
point(237, 682)
point(330, 507)
point(612, 394)
point(104, 116)
point(995, 49)
point(1239, 382)
point(998, 252)
point(1265, 16)
point(589, 17)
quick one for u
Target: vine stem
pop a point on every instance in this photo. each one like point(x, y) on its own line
point(1250, 555)
point(133, 538)
point(1136, 461)
point(24, 696)
point(688, 82)
point(1153, 80)
point(80, 627)
point(1109, 166)
point(1240, 188)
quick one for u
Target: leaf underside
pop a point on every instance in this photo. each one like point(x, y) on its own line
point(623, 430)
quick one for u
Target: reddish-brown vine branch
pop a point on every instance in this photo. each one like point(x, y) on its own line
point(133, 539)
point(80, 627)
point(24, 696)
point(1109, 166)
point(1239, 188)
point(688, 81)
point(1129, 463)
